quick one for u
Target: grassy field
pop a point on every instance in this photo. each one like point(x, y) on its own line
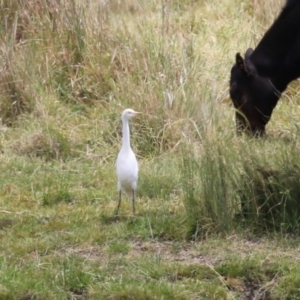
point(217, 214)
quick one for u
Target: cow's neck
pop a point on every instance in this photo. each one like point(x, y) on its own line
point(279, 75)
point(277, 56)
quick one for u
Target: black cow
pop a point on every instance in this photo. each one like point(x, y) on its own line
point(256, 82)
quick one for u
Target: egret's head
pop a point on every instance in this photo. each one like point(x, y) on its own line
point(129, 113)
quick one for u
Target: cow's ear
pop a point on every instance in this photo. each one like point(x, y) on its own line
point(249, 66)
point(240, 62)
point(248, 53)
point(245, 64)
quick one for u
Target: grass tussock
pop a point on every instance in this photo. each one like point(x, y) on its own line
point(45, 144)
point(269, 197)
point(232, 185)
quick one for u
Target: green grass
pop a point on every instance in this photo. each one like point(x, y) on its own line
point(217, 214)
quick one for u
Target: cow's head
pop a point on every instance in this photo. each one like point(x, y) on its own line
point(253, 96)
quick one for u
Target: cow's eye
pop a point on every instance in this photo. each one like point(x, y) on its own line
point(236, 96)
point(235, 92)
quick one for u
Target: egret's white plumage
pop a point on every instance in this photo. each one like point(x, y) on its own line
point(127, 164)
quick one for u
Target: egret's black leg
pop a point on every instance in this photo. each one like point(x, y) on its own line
point(119, 203)
point(133, 203)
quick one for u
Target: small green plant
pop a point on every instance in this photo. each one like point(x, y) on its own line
point(57, 196)
point(73, 277)
point(56, 189)
point(119, 247)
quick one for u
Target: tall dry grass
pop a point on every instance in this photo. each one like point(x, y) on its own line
point(69, 68)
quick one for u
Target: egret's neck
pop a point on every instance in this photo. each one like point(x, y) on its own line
point(126, 134)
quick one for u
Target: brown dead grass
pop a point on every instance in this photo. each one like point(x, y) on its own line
point(209, 252)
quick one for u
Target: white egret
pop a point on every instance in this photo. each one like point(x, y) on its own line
point(127, 164)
